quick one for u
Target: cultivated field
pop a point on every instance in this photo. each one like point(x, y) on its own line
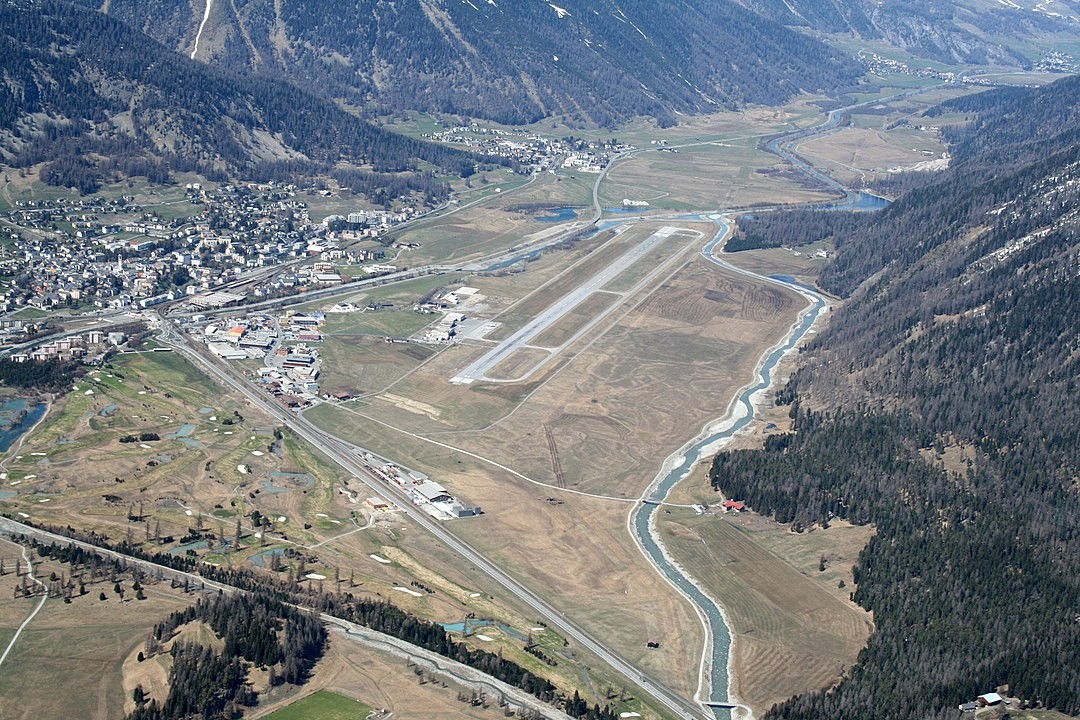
point(352, 679)
point(802, 264)
point(891, 136)
point(322, 705)
point(362, 363)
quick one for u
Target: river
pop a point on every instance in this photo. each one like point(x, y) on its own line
point(703, 447)
point(717, 657)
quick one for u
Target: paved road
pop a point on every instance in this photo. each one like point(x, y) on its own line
point(349, 457)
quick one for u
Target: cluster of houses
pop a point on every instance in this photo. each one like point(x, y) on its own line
point(73, 346)
point(13, 330)
point(879, 65)
point(1057, 61)
point(291, 375)
point(986, 700)
point(113, 254)
point(530, 152)
point(369, 223)
point(291, 364)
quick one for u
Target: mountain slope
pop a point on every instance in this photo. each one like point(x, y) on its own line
point(941, 403)
point(82, 86)
point(979, 32)
point(605, 60)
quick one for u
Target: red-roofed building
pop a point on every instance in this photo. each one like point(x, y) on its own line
point(734, 506)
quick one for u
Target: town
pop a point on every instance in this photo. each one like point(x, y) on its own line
point(531, 152)
point(113, 254)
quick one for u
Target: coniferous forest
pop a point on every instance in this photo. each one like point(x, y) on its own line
point(940, 404)
point(265, 627)
point(257, 631)
point(94, 99)
point(515, 62)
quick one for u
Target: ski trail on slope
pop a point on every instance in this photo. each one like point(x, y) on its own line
point(205, 17)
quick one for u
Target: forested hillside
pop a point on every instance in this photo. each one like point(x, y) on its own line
point(941, 404)
point(91, 96)
point(980, 32)
point(516, 62)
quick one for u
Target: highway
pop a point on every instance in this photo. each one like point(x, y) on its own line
point(350, 458)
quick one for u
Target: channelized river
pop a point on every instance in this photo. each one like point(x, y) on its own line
point(739, 416)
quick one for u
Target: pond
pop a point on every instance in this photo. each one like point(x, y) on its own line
point(16, 417)
point(559, 214)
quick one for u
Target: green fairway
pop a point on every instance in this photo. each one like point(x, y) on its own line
point(323, 705)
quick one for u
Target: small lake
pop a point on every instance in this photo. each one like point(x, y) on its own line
point(181, 549)
point(471, 626)
point(183, 436)
point(11, 410)
point(263, 558)
point(559, 214)
point(305, 480)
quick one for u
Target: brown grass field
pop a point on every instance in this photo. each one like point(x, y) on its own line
point(648, 263)
point(494, 224)
point(804, 267)
point(531, 305)
point(69, 662)
point(563, 329)
point(792, 634)
point(308, 496)
point(504, 289)
point(892, 134)
point(364, 363)
point(690, 340)
point(518, 363)
point(378, 680)
point(708, 176)
point(695, 337)
point(867, 153)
